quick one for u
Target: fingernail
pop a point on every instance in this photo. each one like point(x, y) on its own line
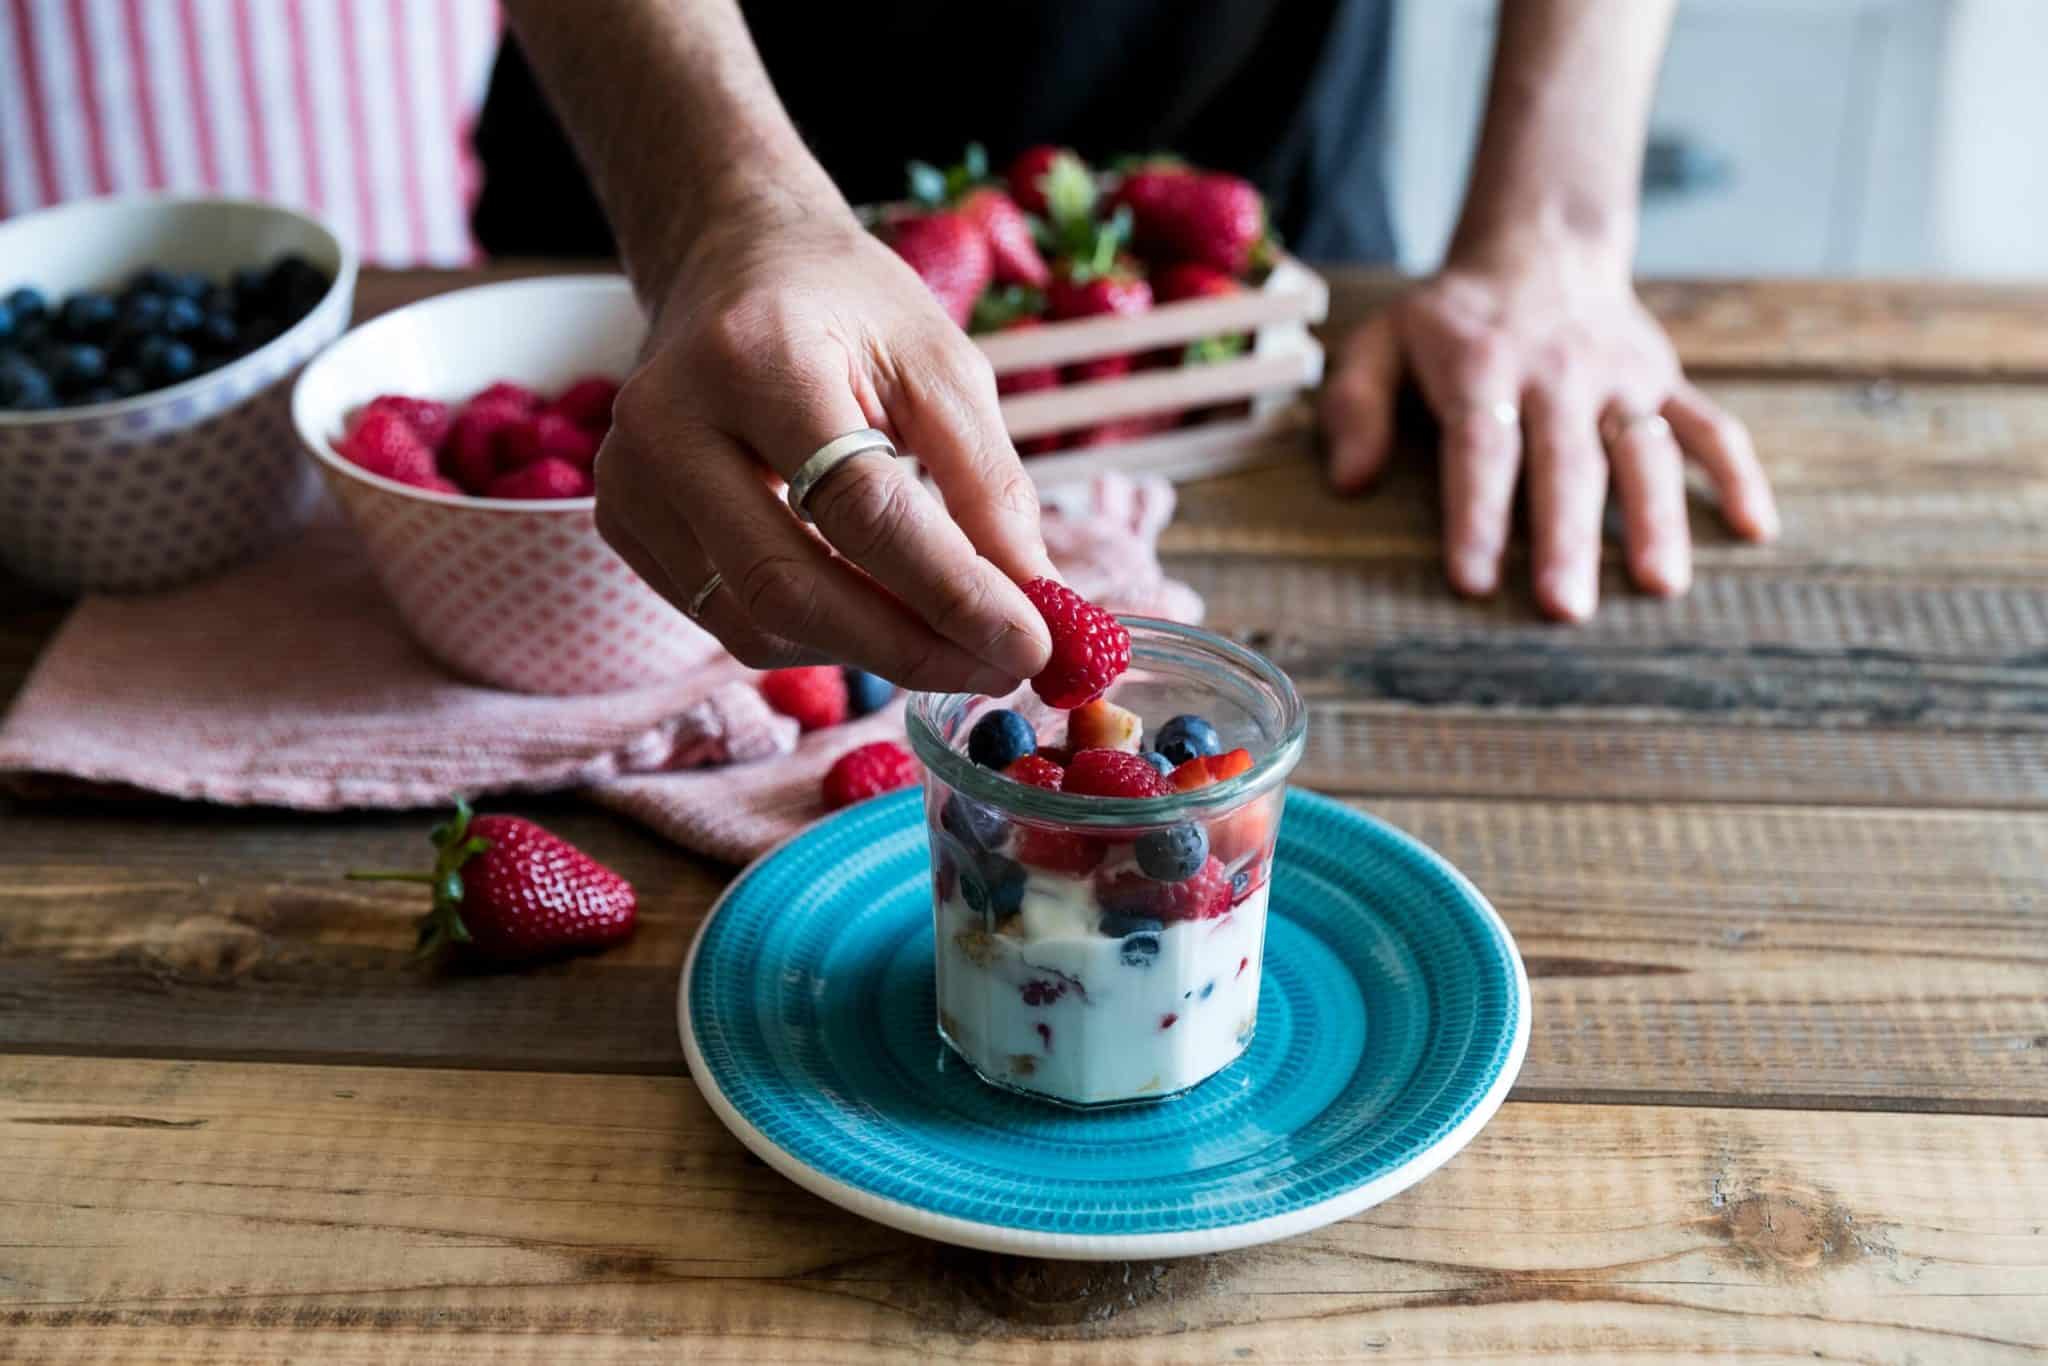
point(1016, 652)
point(1570, 596)
point(1477, 572)
point(1767, 524)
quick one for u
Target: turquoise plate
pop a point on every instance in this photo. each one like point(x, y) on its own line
point(1392, 1020)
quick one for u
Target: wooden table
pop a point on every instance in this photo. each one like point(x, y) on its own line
point(1777, 854)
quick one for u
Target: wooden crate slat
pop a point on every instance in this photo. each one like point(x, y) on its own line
point(1296, 364)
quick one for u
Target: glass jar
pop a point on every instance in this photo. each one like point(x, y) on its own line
point(1063, 971)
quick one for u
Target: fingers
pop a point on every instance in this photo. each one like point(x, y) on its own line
point(1722, 446)
point(1649, 478)
point(1470, 385)
point(1567, 493)
point(1356, 408)
point(944, 405)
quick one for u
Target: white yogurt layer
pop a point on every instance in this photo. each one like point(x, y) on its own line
point(1050, 1005)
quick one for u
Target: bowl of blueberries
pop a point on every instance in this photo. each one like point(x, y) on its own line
point(147, 347)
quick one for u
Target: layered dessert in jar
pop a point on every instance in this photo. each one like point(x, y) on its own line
point(1101, 869)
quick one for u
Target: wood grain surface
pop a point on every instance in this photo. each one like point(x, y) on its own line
point(217, 1211)
point(1776, 855)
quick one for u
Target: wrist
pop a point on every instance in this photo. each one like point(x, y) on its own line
point(1595, 242)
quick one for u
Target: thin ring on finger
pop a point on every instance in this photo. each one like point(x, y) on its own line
point(823, 462)
point(694, 609)
point(1502, 412)
point(1619, 424)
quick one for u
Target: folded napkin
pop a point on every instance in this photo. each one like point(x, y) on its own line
point(290, 682)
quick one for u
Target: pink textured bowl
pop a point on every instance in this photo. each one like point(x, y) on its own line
point(519, 595)
point(151, 491)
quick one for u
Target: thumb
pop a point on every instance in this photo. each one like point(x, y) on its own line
point(1357, 404)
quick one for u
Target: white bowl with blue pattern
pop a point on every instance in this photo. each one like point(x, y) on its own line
point(148, 492)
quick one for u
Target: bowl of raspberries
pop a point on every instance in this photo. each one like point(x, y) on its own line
point(146, 344)
point(459, 434)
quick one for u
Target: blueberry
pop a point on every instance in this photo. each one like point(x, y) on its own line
point(6, 321)
point(189, 284)
point(258, 330)
point(1158, 761)
point(150, 280)
point(294, 285)
point(248, 284)
point(1239, 881)
point(975, 825)
point(182, 317)
point(126, 381)
point(1140, 935)
point(219, 332)
point(79, 368)
point(218, 299)
point(866, 693)
point(1208, 989)
point(1116, 925)
point(27, 304)
point(1185, 737)
point(1139, 950)
point(995, 888)
point(1174, 854)
point(1000, 738)
point(30, 329)
point(164, 361)
point(102, 394)
point(25, 388)
point(87, 317)
point(142, 312)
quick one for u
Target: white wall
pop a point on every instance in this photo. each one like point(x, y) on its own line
point(1991, 149)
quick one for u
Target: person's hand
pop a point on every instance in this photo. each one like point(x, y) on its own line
point(778, 333)
point(1541, 363)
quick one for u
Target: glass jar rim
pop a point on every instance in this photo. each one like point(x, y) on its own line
point(987, 785)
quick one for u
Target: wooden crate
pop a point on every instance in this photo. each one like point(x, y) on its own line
point(1272, 375)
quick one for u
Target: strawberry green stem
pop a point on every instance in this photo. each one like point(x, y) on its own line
point(453, 847)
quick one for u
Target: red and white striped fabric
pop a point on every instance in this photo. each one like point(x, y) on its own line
point(358, 110)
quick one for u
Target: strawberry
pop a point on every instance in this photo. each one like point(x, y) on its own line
point(1205, 769)
point(1102, 724)
point(1121, 429)
point(1192, 280)
point(1035, 770)
point(1113, 773)
point(518, 395)
point(588, 403)
point(1090, 648)
point(1082, 290)
point(427, 417)
point(1059, 851)
point(546, 478)
point(511, 891)
point(815, 696)
point(950, 254)
point(869, 771)
point(383, 442)
point(1012, 252)
point(551, 436)
point(1207, 217)
point(967, 189)
point(1026, 175)
point(478, 443)
point(1204, 896)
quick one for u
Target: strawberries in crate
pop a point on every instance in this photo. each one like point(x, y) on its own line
point(950, 253)
point(1181, 214)
point(967, 189)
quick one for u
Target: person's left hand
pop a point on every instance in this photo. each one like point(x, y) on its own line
point(1541, 359)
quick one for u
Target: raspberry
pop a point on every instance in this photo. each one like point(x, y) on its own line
point(1102, 724)
point(518, 395)
point(1090, 648)
point(588, 403)
point(434, 483)
point(868, 772)
point(382, 442)
point(815, 696)
point(1204, 896)
point(477, 443)
point(1113, 773)
point(550, 436)
point(1036, 771)
point(548, 478)
point(427, 417)
point(1058, 851)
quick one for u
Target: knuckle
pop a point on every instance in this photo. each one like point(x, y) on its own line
point(865, 510)
point(1480, 358)
point(1016, 498)
point(775, 588)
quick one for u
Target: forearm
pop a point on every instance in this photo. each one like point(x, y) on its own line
point(1560, 158)
point(675, 121)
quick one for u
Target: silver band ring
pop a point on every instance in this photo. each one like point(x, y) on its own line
point(1503, 412)
point(703, 595)
point(830, 457)
point(1620, 426)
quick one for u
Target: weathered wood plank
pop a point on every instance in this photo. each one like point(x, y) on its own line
point(205, 1211)
point(1790, 327)
point(1837, 957)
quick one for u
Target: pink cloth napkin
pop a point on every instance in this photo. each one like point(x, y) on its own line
point(291, 683)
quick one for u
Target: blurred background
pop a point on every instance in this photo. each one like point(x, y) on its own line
point(1790, 137)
